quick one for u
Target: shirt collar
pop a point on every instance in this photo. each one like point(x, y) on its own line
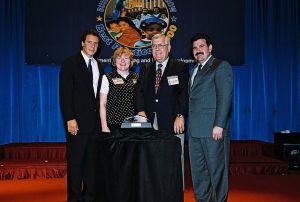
point(86, 58)
point(164, 64)
point(205, 61)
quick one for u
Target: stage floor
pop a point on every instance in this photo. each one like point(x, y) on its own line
point(265, 188)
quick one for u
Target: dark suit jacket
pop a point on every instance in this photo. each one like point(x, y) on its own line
point(210, 99)
point(170, 99)
point(77, 99)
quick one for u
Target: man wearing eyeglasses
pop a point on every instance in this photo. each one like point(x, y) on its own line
point(79, 100)
point(162, 95)
point(166, 106)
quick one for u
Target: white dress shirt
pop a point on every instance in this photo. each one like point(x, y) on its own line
point(95, 70)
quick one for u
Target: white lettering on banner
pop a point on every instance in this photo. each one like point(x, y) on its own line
point(100, 28)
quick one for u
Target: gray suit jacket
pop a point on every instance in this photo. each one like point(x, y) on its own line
point(210, 99)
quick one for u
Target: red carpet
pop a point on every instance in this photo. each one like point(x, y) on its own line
point(266, 188)
point(32, 172)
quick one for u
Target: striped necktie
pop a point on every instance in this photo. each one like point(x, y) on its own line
point(158, 77)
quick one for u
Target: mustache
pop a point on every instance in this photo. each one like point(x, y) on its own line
point(198, 53)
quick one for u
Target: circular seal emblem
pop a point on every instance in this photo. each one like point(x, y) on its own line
point(132, 23)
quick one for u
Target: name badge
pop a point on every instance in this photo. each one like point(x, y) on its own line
point(173, 80)
point(117, 81)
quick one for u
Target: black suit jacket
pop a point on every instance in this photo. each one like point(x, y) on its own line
point(77, 99)
point(170, 99)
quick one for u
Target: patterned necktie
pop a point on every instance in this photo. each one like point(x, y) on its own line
point(90, 67)
point(158, 77)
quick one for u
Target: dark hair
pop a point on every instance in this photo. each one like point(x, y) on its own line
point(91, 31)
point(201, 36)
point(129, 22)
point(111, 22)
point(152, 20)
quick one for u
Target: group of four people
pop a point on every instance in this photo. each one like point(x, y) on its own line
point(165, 92)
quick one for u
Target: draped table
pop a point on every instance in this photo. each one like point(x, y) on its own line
point(138, 165)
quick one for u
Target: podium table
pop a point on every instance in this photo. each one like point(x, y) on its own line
point(136, 165)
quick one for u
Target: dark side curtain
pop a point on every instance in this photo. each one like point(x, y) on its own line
point(29, 103)
point(266, 88)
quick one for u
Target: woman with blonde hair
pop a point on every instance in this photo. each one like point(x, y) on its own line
point(116, 93)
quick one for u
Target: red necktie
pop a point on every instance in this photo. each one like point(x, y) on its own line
point(158, 77)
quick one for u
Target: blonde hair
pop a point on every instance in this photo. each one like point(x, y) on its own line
point(120, 51)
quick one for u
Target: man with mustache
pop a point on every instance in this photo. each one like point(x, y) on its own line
point(211, 87)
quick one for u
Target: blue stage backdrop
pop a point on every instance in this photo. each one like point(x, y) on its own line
point(266, 87)
point(53, 28)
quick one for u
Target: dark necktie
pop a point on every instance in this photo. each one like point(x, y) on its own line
point(90, 67)
point(158, 77)
point(199, 69)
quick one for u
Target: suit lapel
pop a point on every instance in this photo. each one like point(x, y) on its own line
point(202, 72)
point(191, 74)
point(168, 69)
point(151, 76)
point(85, 74)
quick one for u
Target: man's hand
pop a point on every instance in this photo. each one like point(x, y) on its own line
point(179, 125)
point(217, 133)
point(72, 126)
point(142, 113)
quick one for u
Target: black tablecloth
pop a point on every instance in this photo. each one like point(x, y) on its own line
point(138, 166)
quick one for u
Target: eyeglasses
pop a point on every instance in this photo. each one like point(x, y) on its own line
point(159, 46)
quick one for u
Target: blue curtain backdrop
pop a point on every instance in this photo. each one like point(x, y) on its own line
point(266, 88)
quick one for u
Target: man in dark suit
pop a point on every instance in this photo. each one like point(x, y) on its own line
point(162, 96)
point(79, 100)
point(166, 106)
point(210, 95)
